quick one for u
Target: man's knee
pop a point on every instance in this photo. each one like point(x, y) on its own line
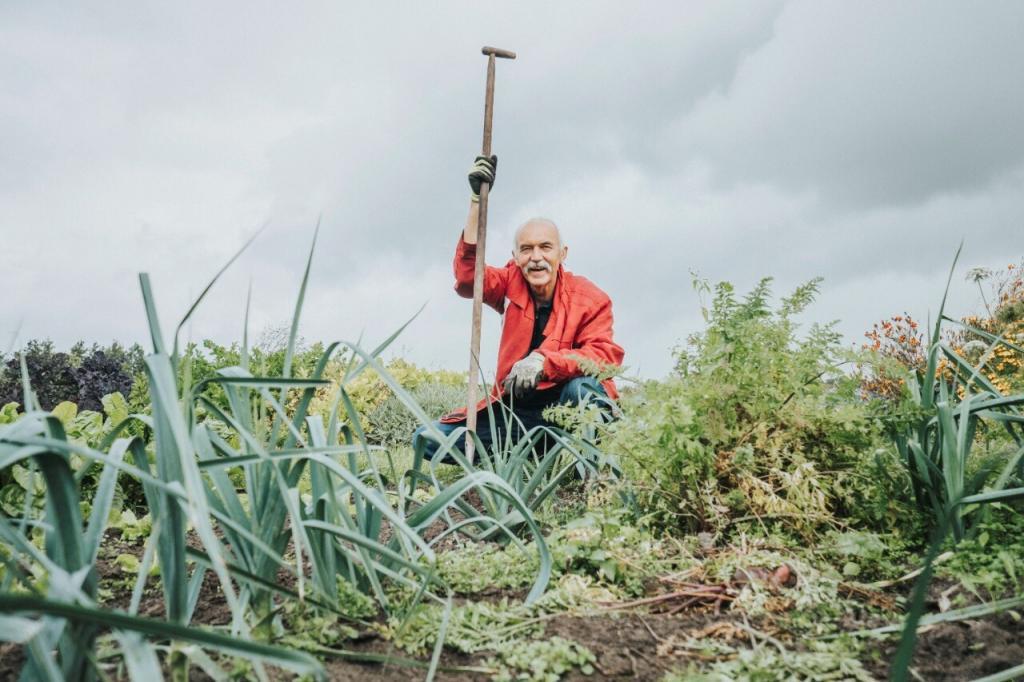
point(579, 389)
point(422, 438)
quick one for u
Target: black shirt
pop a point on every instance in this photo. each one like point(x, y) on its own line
point(536, 401)
point(541, 313)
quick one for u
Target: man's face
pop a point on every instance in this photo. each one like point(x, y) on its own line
point(538, 254)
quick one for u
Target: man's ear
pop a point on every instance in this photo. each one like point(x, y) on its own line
point(565, 252)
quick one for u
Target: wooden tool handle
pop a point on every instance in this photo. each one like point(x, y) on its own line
point(481, 241)
point(498, 52)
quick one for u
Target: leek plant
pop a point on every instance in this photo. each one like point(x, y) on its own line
point(534, 466)
point(264, 486)
point(48, 595)
point(908, 639)
point(951, 407)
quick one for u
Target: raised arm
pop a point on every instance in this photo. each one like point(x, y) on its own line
point(495, 279)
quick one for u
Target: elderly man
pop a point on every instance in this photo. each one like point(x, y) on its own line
point(552, 320)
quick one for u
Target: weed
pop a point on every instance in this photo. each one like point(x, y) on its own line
point(541, 661)
point(479, 567)
point(770, 662)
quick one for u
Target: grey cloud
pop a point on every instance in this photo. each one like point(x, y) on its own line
point(871, 103)
point(859, 142)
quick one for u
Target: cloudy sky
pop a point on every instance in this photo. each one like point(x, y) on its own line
point(856, 141)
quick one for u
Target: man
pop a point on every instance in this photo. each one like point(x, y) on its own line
point(552, 319)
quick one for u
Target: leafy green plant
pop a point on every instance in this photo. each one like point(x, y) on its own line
point(532, 467)
point(601, 543)
point(67, 596)
point(770, 661)
point(758, 425)
point(472, 627)
point(542, 660)
point(227, 471)
point(391, 424)
point(478, 567)
point(952, 407)
point(866, 555)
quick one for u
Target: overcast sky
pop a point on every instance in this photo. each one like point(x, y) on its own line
point(856, 141)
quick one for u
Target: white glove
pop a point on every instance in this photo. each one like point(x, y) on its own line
point(525, 374)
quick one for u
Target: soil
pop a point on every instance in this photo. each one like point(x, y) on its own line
point(627, 645)
point(962, 650)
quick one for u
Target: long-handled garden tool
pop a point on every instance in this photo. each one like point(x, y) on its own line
point(478, 277)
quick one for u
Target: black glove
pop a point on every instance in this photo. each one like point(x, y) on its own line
point(483, 170)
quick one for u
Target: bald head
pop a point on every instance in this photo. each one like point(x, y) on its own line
point(543, 224)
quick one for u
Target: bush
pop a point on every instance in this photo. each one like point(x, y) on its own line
point(82, 375)
point(51, 373)
point(390, 423)
point(382, 416)
point(756, 424)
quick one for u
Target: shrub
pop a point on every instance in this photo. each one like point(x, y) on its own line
point(384, 418)
point(52, 374)
point(390, 423)
point(83, 375)
point(756, 424)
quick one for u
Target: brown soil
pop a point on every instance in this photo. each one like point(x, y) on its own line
point(962, 650)
point(625, 645)
point(628, 646)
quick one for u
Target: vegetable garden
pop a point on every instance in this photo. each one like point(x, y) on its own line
point(780, 507)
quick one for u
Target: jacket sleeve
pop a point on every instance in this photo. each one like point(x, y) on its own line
point(495, 279)
point(593, 341)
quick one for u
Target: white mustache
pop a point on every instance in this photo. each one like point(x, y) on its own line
point(542, 265)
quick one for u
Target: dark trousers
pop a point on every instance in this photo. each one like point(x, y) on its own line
point(514, 420)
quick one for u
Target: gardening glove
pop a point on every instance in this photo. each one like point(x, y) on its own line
point(525, 374)
point(483, 170)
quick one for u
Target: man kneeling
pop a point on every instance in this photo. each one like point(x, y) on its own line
point(552, 319)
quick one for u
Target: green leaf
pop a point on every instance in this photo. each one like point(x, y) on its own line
point(296, 661)
point(115, 407)
point(65, 412)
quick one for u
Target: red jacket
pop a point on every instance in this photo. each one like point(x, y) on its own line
point(580, 323)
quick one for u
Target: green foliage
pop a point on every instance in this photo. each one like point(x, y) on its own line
point(541, 661)
point(87, 428)
point(486, 626)
point(771, 662)
point(390, 423)
point(758, 423)
point(473, 627)
point(603, 545)
point(865, 555)
point(955, 404)
point(83, 375)
point(385, 417)
point(478, 567)
point(133, 528)
point(991, 564)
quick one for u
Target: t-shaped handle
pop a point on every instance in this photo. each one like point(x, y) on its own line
point(498, 52)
